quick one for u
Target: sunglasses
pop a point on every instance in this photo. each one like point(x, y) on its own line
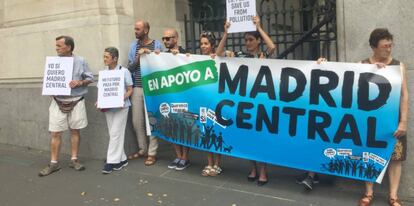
point(207, 34)
point(167, 38)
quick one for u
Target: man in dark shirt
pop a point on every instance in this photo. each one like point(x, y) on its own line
point(170, 40)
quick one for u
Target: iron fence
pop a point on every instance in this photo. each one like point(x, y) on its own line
point(301, 29)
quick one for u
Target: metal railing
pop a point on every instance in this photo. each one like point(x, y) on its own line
point(301, 29)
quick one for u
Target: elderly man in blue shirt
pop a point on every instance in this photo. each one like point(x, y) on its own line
point(68, 111)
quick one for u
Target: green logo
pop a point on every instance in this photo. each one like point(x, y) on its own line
point(180, 78)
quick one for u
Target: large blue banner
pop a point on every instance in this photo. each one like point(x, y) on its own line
point(332, 118)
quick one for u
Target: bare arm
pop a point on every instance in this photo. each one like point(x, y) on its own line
point(128, 93)
point(271, 47)
point(402, 124)
point(220, 47)
point(79, 83)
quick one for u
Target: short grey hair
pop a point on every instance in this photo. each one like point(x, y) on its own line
point(112, 51)
point(68, 41)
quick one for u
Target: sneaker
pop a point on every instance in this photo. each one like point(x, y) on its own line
point(76, 165)
point(182, 164)
point(108, 168)
point(174, 163)
point(120, 165)
point(316, 179)
point(303, 176)
point(308, 183)
point(49, 169)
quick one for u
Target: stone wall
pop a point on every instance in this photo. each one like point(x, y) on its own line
point(28, 29)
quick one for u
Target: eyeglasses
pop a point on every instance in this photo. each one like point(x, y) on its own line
point(386, 46)
point(167, 38)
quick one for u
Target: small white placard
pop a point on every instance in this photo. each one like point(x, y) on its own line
point(111, 89)
point(58, 74)
point(240, 14)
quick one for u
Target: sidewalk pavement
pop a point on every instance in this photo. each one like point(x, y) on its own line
point(140, 185)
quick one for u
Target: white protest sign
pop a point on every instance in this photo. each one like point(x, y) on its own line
point(58, 74)
point(111, 89)
point(240, 14)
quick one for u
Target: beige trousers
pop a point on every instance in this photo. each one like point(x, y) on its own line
point(140, 123)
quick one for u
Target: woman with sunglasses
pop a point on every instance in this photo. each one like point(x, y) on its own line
point(253, 40)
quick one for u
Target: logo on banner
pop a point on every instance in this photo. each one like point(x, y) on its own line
point(330, 153)
point(165, 109)
point(180, 78)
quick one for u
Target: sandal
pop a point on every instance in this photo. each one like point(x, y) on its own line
point(150, 160)
point(207, 171)
point(392, 201)
point(261, 182)
point(366, 200)
point(252, 178)
point(135, 156)
point(217, 169)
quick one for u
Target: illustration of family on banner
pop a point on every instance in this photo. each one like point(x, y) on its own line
point(327, 118)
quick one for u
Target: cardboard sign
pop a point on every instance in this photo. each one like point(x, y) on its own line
point(58, 74)
point(240, 14)
point(111, 89)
